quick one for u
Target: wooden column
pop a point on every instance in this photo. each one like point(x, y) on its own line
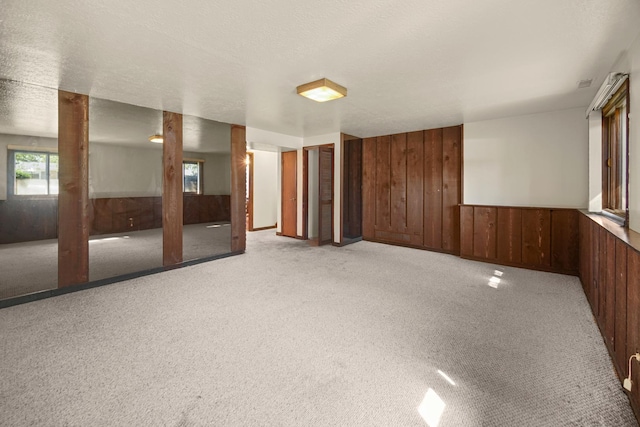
point(172, 189)
point(73, 198)
point(238, 190)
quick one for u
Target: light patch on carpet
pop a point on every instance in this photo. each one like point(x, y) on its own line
point(431, 408)
point(446, 377)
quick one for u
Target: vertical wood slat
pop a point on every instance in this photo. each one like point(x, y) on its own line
point(433, 188)
point(451, 188)
point(610, 289)
point(415, 187)
point(398, 183)
point(509, 235)
point(466, 231)
point(620, 335)
point(73, 197)
point(564, 239)
point(383, 184)
point(368, 187)
point(602, 280)
point(595, 269)
point(238, 188)
point(484, 235)
point(172, 200)
point(536, 237)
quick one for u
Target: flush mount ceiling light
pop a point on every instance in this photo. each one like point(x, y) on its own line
point(158, 139)
point(322, 90)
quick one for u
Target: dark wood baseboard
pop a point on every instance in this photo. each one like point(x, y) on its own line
point(406, 245)
point(519, 265)
point(348, 241)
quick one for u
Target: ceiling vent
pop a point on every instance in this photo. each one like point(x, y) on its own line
point(584, 83)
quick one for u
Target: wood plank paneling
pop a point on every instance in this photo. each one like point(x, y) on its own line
point(620, 335)
point(172, 201)
point(451, 189)
point(398, 189)
point(536, 237)
point(484, 234)
point(509, 235)
point(609, 286)
point(415, 187)
point(433, 188)
point(595, 268)
point(466, 231)
point(616, 299)
point(73, 197)
point(633, 314)
point(383, 183)
point(404, 179)
point(28, 219)
point(564, 240)
point(325, 213)
point(368, 187)
point(238, 199)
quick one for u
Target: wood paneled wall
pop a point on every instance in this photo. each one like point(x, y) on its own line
point(610, 275)
point(238, 188)
point(24, 220)
point(536, 238)
point(411, 189)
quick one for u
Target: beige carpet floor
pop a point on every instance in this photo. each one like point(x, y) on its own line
point(292, 335)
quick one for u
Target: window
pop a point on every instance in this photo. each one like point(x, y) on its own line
point(192, 176)
point(615, 154)
point(34, 172)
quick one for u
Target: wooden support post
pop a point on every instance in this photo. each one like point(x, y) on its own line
point(238, 188)
point(172, 189)
point(73, 198)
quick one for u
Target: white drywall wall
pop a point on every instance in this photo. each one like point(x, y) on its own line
point(118, 171)
point(634, 135)
point(25, 142)
point(265, 188)
point(533, 160)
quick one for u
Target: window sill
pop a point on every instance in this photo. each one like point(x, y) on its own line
point(628, 236)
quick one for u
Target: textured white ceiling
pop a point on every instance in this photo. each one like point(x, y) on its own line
point(407, 65)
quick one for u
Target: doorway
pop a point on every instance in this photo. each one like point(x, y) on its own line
point(352, 190)
point(289, 194)
point(249, 190)
point(318, 191)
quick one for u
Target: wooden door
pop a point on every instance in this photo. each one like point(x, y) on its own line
point(352, 189)
point(289, 194)
point(325, 216)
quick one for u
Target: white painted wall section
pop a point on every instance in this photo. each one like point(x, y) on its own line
point(265, 188)
point(533, 160)
point(634, 135)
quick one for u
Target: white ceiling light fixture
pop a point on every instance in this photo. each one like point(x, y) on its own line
point(158, 139)
point(322, 90)
point(611, 84)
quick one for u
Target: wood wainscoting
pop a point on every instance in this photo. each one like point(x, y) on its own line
point(610, 275)
point(411, 189)
point(535, 238)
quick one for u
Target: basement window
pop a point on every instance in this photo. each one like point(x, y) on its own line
point(615, 156)
point(33, 173)
point(192, 176)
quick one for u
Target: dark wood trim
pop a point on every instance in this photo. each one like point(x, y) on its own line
point(172, 195)
point(238, 188)
point(305, 193)
point(343, 138)
point(73, 197)
point(250, 195)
